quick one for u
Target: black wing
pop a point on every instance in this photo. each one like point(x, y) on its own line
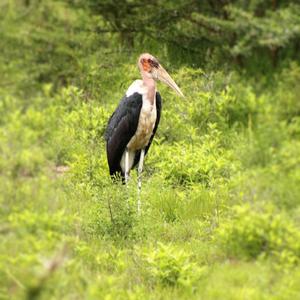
point(121, 127)
point(158, 113)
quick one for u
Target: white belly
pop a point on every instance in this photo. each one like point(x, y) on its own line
point(145, 127)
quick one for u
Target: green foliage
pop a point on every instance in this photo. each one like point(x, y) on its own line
point(221, 183)
point(206, 161)
point(169, 266)
point(253, 232)
point(286, 94)
point(39, 223)
point(268, 28)
point(115, 216)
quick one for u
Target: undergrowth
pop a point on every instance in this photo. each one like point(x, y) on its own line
point(221, 182)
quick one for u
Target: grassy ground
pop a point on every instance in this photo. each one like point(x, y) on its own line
point(220, 197)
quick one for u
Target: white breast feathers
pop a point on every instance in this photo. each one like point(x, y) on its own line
point(146, 122)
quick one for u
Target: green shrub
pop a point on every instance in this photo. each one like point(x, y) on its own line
point(40, 224)
point(287, 93)
point(260, 232)
point(114, 214)
point(201, 162)
point(170, 266)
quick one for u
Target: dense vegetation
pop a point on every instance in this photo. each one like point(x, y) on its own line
point(221, 184)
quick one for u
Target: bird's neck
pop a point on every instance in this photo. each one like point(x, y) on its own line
point(150, 85)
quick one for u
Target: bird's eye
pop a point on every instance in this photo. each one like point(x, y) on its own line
point(154, 63)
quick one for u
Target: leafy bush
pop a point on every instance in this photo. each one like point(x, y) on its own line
point(260, 232)
point(169, 266)
point(114, 215)
point(286, 96)
point(203, 162)
point(40, 223)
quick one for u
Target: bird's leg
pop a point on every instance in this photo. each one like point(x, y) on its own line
point(126, 165)
point(140, 169)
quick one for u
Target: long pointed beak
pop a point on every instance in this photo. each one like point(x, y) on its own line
point(163, 76)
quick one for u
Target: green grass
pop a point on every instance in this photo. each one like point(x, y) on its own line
point(220, 199)
point(221, 183)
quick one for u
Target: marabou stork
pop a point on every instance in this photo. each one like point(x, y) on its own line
point(133, 124)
